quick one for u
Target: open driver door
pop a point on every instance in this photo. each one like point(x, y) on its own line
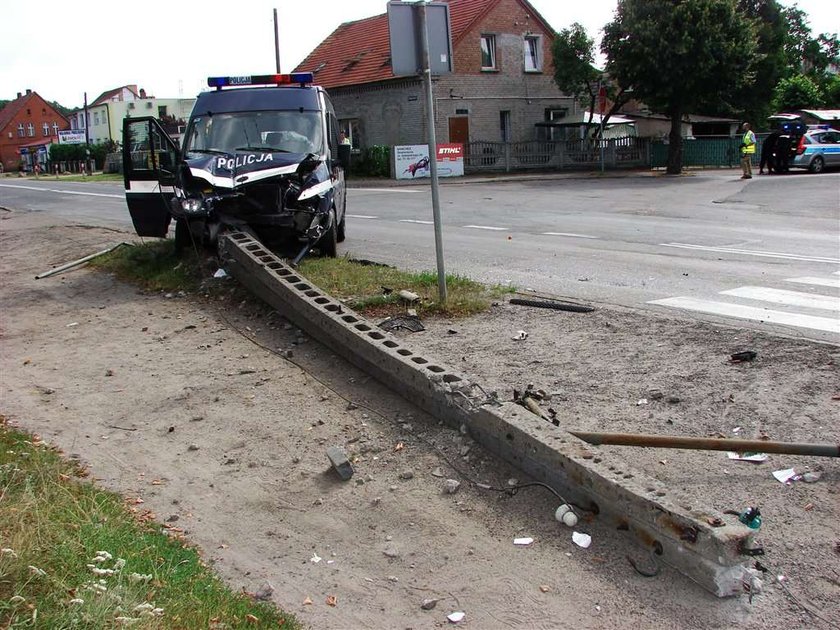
point(150, 159)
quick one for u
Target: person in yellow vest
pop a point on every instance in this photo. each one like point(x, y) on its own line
point(747, 151)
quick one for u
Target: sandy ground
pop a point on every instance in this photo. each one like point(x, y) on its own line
point(177, 400)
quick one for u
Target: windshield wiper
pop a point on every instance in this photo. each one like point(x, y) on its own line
point(210, 151)
point(264, 149)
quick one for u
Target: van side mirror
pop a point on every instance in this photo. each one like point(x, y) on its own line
point(344, 155)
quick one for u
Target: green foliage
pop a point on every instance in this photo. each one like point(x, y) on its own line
point(373, 161)
point(832, 92)
point(680, 56)
point(76, 152)
point(573, 53)
point(797, 92)
point(753, 101)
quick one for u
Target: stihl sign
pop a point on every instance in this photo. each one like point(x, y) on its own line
point(450, 152)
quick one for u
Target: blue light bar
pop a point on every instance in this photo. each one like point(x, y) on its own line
point(302, 78)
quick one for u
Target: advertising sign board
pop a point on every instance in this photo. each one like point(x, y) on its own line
point(72, 136)
point(412, 161)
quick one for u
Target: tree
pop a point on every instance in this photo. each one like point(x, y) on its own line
point(754, 101)
point(797, 92)
point(679, 56)
point(810, 56)
point(573, 53)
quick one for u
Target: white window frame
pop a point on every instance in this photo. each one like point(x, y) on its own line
point(31, 130)
point(21, 131)
point(491, 45)
point(532, 53)
point(46, 128)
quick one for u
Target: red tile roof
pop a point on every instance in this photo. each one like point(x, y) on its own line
point(12, 108)
point(360, 52)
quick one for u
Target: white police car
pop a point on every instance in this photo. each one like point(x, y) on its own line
point(817, 149)
point(260, 153)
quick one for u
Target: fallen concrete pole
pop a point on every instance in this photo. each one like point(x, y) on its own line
point(704, 545)
point(709, 444)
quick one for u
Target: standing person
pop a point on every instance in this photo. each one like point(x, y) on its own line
point(747, 150)
point(768, 153)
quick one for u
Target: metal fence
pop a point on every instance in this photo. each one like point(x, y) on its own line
point(707, 151)
point(556, 154)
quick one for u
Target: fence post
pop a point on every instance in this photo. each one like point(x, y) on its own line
point(507, 157)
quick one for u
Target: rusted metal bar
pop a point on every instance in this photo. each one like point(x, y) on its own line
point(78, 262)
point(709, 444)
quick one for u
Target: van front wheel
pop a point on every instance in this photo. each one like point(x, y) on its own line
point(328, 243)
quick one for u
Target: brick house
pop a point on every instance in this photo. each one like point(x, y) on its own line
point(28, 125)
point(502, 84)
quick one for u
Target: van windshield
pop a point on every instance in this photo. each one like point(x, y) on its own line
point(284, 131)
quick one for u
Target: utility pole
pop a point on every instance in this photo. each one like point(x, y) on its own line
point(87, 136)
point(276, 43)
point(430, 111)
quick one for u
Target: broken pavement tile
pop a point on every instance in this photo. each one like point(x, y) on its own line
point(340, 463)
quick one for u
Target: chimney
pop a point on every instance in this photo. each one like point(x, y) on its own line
point(19, 95)
point(28, 92)
point(142, 93)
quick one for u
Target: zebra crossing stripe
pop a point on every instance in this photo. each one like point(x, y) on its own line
point(738, 311)
point(789, 298)
point(820, 282)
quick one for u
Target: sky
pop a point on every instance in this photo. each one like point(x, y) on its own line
point(62, 50)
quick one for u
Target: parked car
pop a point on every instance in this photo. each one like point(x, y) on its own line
point(817, 149)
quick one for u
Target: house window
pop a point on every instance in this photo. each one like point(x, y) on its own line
point(95, 118)
point(350, 127)
point(488, 52)
point(31, 130)
point(20, 130)
point(533, 58)
point(46, 129)
point(161, 111)
point(55, 128)
point(504, 125)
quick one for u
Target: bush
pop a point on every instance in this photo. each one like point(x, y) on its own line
point(76, 152)
point(373, 161)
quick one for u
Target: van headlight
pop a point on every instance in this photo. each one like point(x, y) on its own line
point(192, 205)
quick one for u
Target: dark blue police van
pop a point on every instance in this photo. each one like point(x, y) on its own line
point(260, 154)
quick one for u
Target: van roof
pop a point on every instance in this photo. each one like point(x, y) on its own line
point(258, 99)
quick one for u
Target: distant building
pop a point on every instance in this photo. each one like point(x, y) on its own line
point(28, 125)
point(107, 112)
point(501, 87)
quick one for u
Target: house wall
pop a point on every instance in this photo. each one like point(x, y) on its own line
point(395, 112)
point(35, 111)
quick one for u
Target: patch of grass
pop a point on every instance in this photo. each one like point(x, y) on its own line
point(154, 266)
point(54, 530)
point(362, 287)
point(98, 177)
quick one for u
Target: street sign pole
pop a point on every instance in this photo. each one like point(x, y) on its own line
point(430, 111)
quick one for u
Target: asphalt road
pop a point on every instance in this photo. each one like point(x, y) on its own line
point(763, 253)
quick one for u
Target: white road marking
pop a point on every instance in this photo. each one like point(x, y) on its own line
point(486, 227)
point(820, 282)
point(753, 313)
point(752, 252)
point(361, 216)
point(386, 190)
point(417, 221)
point(790, 298)
point(570, 234)
point(62, 192)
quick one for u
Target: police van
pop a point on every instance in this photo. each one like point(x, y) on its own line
point(260, 153)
